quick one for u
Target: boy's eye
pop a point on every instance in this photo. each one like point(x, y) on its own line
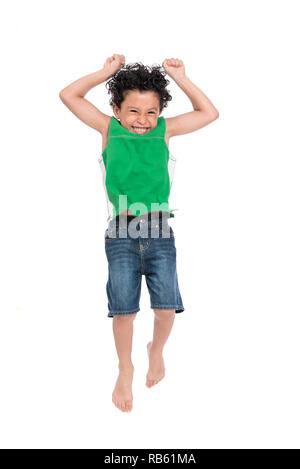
point(150, 112)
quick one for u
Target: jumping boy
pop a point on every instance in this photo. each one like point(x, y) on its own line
point(137, 175)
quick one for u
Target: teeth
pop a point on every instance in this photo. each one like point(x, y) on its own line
point(140, 130)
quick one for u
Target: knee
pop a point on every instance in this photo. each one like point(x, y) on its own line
point(164, 313)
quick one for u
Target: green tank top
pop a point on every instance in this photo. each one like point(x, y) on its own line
point(137, 170)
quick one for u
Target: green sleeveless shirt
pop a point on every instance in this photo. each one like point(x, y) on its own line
point(137, 170)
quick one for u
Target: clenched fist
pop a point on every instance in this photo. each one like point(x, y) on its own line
point(113, 64)
point(173, 67)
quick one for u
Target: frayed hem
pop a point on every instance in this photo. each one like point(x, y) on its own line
point(122, 313)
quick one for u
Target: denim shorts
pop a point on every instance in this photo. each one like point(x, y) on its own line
point(141, 246)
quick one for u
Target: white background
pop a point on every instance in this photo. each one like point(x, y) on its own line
point(232, 359)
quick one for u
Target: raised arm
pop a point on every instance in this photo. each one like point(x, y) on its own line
point(204, 111)
point(73, 95)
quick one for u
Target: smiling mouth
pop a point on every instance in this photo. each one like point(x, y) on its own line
point(140, 130)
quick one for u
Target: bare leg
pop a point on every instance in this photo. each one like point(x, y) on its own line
point(123, 331)
point(163, 323)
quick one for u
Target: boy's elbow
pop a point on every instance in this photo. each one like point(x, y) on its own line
point(213, 114)
point(63, 94)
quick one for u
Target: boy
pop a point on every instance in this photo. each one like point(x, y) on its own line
point(137, 176)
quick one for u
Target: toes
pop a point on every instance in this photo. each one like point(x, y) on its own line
point(152, 382)
point(123, 406)
point(149, 383)
point(128, 406)
point(118, 405)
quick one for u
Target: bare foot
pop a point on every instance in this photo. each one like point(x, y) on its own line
point(122, 394)
point(156, 370)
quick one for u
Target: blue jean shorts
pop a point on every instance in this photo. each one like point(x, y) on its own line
point(135, 247)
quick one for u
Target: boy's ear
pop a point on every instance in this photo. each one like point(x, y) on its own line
point(116, 111)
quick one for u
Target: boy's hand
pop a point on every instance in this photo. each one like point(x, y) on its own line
point(173, 67)
point(113, 64)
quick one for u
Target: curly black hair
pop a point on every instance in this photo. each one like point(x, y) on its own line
point(140, 77)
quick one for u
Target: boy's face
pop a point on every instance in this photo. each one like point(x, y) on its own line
point(139, 111)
